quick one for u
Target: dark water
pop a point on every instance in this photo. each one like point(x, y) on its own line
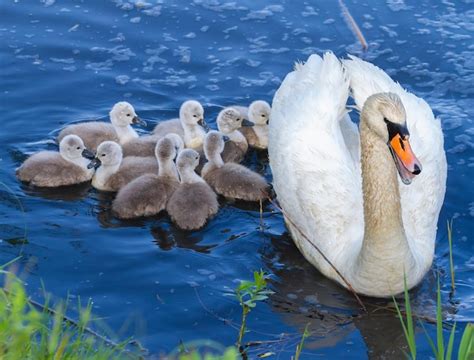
point(65, 61)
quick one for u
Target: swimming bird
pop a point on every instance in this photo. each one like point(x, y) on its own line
point(145, 145)
point(93, 133)
point(229, 121)
point(193, 202)
point(259, 114)
point(53, 169)
point(113, 171)
point(189, 125)
point(341, 189)
point(231, 180)
point(148, 194)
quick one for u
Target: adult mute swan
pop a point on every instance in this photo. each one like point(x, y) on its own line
point(342, 190)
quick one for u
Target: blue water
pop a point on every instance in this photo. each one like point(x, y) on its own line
point(65, 61)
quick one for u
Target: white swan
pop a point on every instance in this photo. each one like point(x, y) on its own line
point(371, 226)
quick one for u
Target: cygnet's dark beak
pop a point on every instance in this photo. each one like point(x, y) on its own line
point(226, 138)
point(203, 123)
point(95, 163)
point(137, 120)
point(246, 122)
point(88, 154)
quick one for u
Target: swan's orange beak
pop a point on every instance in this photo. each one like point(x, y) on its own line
point(408, 165)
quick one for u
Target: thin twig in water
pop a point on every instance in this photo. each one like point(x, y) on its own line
point(349, 286)
point(353, 25)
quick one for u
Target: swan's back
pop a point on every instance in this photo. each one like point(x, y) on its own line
point(317, 182)
point(92, 133)
point(422, 199)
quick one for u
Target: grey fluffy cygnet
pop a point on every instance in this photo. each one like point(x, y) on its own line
point(93, 133)
point(145, 145)
point(229, 121)
point(113, 171)
point(231, 180)
point(148, 194)
point(53, 169)
point(193, 202)
point(189, 125)
point(259, 114)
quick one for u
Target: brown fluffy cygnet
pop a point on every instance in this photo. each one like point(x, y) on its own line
point(93, 133)
point(189, 125)
point(229, 121)
point(145, 145)
point(113, 171)
point(148, 194)
point(193, 202)
point(229, 179)
point(259, 114)
point(53, 169)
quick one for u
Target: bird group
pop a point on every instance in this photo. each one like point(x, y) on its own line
point(180, 167)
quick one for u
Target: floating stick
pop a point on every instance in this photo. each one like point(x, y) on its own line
point(353, 25)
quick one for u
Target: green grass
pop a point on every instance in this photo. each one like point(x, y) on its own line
point(27, 332)
point(451, 262)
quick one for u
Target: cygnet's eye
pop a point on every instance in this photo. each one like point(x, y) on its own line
point(197, 157)
point(263, 115)
point(103, 155)
point(194, 115)
point(129, 114)
point(238, 119)
point(78, 148)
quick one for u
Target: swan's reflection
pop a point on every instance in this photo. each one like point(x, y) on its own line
point(304, 296)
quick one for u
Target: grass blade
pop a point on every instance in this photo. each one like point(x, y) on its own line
point(466, 346)
point(439, 326)
point(451, 262)
point(449, 351)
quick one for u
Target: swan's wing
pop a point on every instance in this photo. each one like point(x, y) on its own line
point(317, 182)
point(422, 200)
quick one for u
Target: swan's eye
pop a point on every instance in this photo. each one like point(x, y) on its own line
point(78, 148)
point(386, 120)
point(194, 115)
point(263, 115)
point(129, 115)
point(102, 155)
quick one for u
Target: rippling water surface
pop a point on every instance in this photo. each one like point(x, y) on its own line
point(65, 61)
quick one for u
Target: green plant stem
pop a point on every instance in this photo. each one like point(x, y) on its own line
point(245, 311)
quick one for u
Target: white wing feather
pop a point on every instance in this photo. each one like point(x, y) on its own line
point(308, 151)
point(421, 200)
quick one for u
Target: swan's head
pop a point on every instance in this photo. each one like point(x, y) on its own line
point(123, 114)
point(165, 149)
point(177, 141)
point(109, 153)
point(187, 159)
point(230, 119)
point(72, 147)
point(214, 143)
point(385, 115)
point(259, 112)
point(191, 112)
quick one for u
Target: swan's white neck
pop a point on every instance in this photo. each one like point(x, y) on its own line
point(193, 135)
point(102, 175)
point(167, 168)
point(124, 133)
point(385, 250)
point(214, 160)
